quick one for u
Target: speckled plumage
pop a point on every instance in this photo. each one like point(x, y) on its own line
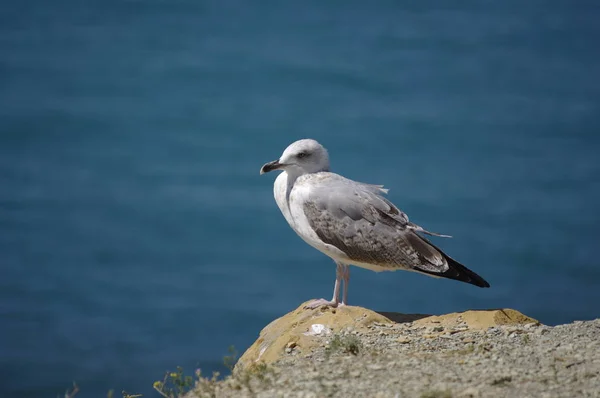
point(352, 222)
point(369, 229)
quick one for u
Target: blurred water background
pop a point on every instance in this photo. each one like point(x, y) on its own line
point(137, 235)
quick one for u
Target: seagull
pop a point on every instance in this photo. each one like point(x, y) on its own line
point(353, 223)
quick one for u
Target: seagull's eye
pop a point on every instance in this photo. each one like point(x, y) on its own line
point(302, 155)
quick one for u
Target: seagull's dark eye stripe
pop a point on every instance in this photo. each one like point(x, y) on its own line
point(302, 155)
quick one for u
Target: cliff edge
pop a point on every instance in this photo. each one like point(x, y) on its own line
point(301, 331)
point(355, 352)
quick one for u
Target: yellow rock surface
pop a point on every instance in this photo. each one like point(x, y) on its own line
point(478, 319)
point(299, 327)
point(296, 326)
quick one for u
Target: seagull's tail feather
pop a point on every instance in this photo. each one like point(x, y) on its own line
point(434, 234)
point(458, 272)
point(417, 228)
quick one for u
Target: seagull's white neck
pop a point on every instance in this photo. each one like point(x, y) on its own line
point(291, 177)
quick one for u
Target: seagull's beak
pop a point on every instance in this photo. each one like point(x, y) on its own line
point(274, 165)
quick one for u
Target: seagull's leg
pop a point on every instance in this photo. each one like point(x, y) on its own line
point(346, 279)
point(339, 271)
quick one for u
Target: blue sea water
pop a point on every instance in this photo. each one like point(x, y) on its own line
point(137, 235)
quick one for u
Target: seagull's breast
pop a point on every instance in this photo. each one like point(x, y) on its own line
point(280, 191)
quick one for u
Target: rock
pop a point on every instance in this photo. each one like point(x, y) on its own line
point(493, 365)
point(297, 326)
point(470, 392)
point(307, 329)
point(478, 319)
point(542, 332)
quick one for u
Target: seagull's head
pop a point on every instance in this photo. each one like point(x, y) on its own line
point(301, 157)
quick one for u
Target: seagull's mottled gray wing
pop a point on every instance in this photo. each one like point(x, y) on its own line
point(359, 221)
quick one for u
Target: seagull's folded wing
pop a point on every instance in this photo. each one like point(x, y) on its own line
point(359, 221)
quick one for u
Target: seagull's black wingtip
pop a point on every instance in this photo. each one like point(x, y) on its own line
point(458, 272)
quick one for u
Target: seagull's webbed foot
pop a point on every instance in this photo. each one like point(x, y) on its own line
point(321, 303)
